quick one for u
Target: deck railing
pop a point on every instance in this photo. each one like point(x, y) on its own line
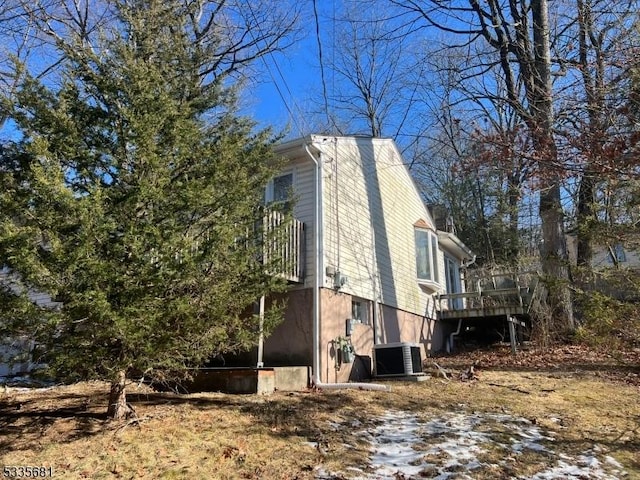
point(285, 245)
point(510, 291)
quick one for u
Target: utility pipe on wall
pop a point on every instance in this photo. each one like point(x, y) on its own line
point(457, 332)
point(260, 362)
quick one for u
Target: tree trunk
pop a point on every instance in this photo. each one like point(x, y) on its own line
point(586, 215)
point(555, 263)
point(513, 194)
point(593, 75)
point(118, 408)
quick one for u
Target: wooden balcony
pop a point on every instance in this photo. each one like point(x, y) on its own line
point(285, 246)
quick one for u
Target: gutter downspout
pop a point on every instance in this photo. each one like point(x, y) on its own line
point(457, 332)
point(318, 252)
point(471, 261)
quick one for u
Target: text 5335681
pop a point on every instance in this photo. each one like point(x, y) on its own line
point(26, 471)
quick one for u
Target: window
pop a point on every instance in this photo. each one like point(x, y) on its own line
point(617, 254)
point(360, 310)
point(280, 189)
point(426, 255)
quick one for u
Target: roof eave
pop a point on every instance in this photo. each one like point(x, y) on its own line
point(454, 245)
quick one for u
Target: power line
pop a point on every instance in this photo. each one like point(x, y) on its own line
point(320, 59)
point(294, 119)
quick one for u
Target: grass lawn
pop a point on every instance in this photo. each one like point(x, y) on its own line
point(582, 399)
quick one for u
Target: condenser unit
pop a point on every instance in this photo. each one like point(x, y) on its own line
point(397, 359)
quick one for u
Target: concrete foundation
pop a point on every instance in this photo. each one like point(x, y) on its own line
point(232, 380)
point(292, 378)
point(261, 381)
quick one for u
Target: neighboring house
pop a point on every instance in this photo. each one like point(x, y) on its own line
point(609, 255)
point(374, 261)
point(612, 263)
point(15, 353)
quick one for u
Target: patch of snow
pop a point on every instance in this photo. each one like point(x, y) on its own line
point(335, 426)
point(460, 442)
point(530, 438)
point(612, 461)
point(393, 446)
point(584, 466)
point(447, 447)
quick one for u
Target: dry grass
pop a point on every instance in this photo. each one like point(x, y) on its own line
point(218, 436)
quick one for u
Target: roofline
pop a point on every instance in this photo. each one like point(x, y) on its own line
point(300, 142)
point(294, 144)
point(446, 239)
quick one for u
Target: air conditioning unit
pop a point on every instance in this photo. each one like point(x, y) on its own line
point(397, 359)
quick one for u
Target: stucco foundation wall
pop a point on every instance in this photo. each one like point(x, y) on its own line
point(395, 325)
point(334, 314)
point(400, 326)
point(291, 342)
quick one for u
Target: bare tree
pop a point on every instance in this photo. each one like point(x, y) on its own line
point(230, 34)
point(592, 51)
point(372, 80)
point(517, 33)
point(456, 167)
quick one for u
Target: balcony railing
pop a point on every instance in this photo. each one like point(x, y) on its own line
point(286, 247)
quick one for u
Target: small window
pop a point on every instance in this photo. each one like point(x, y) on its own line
point(426, 255)
point(280, 190)
point(282, 187)
point(360, 311)
point(423, 256)
point(617, 254)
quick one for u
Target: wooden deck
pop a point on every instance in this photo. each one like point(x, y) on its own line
point(501, 294)
point(509, 296)
point(484, 303)
point(482, 312)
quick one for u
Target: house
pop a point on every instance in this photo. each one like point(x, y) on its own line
point(611, 254)
point(365, 260)
point(374, 261)
point(614, 263)
point(15, 353)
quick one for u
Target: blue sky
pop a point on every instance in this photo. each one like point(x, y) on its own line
point(288, 85)
point(273, 99)
point(286, 81)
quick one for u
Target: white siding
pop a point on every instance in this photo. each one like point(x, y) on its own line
point(39, 298)
point(304, 190)
point(370, 206)
point(304, 209)
point(15, 355)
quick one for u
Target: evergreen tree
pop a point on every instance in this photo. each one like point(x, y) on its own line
point(133, 197)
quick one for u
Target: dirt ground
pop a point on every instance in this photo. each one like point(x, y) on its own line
point(521, 417)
